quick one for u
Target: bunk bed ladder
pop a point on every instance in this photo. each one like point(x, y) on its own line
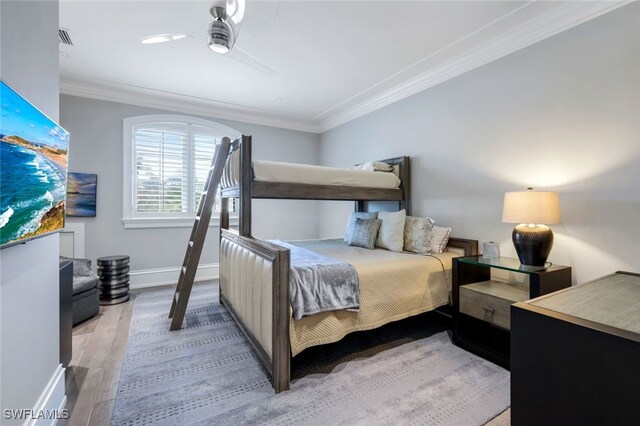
point(198, 235)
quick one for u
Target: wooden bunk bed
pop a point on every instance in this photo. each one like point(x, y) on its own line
point(254, 274)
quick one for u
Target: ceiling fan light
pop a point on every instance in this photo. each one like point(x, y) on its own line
point(219, 48)
point(220, 36)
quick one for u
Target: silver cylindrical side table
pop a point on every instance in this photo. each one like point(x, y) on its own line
point(114, 279)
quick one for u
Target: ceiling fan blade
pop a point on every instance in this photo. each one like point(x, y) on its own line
point(235, 9)
point(240, 55)
point(162, 38)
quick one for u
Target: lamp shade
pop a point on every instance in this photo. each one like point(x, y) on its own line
point(531, 207)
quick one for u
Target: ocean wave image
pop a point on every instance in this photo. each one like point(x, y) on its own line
point(37, 188)
point(33, 170)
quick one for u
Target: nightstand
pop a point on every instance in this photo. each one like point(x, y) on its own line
point(481, 305)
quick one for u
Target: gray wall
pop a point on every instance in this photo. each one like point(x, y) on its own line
point(561, 115)
point(96, 147)
point(29, 273)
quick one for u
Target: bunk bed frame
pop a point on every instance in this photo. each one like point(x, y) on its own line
point(254, 274)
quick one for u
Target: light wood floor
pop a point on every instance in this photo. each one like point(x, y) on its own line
point(93, 373)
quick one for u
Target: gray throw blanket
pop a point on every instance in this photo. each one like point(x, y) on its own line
point(319, 283)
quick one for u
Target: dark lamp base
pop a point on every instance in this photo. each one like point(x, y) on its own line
point(533, 243)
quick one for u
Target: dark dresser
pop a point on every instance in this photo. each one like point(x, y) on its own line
point(575, 355)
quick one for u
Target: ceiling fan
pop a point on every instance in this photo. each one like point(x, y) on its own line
point(222, 34)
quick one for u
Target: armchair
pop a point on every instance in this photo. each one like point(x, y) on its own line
point(86, 300)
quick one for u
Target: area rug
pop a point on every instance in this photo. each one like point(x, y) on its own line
point(206, 374)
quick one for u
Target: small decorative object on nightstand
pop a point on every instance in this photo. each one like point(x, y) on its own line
point(533, 211)
point(481, 305)
point(490, 250)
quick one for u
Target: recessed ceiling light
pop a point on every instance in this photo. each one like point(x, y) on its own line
point(161, 38)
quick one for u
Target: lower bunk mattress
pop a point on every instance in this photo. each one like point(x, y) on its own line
point(393, 286)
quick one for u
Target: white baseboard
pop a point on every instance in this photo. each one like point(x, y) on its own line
point(163, 276)
point(52, 398)
point(62, 405)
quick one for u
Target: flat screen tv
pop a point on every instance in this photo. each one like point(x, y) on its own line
point(33, 170)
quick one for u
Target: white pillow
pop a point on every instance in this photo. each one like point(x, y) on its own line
point(439, 238)
point(391, 233)
point(375, 166)
point(417, 234)
point(379, 166)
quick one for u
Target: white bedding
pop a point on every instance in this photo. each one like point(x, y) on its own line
point(271, 171)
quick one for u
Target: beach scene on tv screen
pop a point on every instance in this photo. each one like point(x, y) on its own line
point(33, 170)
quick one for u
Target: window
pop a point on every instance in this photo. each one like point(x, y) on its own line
point(166, 162)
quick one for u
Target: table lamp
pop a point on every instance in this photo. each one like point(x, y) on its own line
point(533, 211)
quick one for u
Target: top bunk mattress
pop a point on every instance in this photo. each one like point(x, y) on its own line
point(271, 171)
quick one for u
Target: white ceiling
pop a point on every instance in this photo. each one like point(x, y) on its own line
point(335, 60)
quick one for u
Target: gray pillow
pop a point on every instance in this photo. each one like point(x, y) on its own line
point(364, 233)
point(352, 221)
point(81, 267)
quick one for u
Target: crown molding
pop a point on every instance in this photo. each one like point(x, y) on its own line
point(547, 25)
point(139, 96)
point(543, 27)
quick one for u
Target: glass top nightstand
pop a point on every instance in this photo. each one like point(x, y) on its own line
point(506, 263)
point(482, 305)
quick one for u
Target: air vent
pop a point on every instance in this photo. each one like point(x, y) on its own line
point(63, 37)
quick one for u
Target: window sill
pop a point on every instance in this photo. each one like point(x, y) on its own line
point(169, 222)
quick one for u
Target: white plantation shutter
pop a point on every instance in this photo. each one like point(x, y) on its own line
point(166, 164)
point(171, 165)
point(161, 169)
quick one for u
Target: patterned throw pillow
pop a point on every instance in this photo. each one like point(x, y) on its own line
point(439, 238)
point(391, 234)
point(364, 233)
point(352, 221)
point(417, 234)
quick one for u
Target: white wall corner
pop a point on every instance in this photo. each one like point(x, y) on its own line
point(164, 276)
point(51, 401)
point(72, 240)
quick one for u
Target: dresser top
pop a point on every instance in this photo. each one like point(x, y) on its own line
point(613, 300)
